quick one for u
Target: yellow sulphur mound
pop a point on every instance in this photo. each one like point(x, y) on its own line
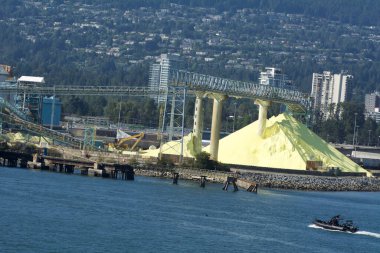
point(285, 144)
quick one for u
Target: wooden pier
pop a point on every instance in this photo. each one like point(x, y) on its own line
point(111, 170)
point(66, 165)
point(91, 168)
point(14, 159)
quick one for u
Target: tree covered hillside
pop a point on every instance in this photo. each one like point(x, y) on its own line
point(96, 42)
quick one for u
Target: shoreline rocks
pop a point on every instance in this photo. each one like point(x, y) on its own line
point(272, 180)
point(313, 183)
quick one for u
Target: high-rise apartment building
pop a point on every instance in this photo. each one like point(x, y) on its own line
point(329, 89)
point(372, 102)
point(160, 71)
point(275, 77)
point(372, 106)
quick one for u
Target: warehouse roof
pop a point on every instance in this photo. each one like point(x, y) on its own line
point(31, 79)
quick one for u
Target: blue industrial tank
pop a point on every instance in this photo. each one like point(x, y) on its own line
point(51, 110)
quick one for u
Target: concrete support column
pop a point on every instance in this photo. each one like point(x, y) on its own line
point(216, 125)
point(263, 111)
point(198, 123)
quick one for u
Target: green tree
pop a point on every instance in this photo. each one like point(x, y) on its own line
point(203, 161)
point(352, 113)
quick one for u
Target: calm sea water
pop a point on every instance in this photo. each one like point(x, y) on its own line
point(51, 212)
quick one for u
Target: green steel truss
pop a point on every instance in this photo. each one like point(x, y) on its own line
point(42, 131)
point(296, 101)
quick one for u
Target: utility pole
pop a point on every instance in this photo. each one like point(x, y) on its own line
point(356, 138)
point(52, 110)
point(353, 138)
point(233, 123)
point(118, 120)
point(369, 137)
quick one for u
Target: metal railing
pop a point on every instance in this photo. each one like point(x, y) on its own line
point(295, 100)
point(83, 90)
point(13, 109)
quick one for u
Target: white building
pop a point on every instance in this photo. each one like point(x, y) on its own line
point(31, 81)
point(372, 106)
point(5, 72)
point(159, 73)
point(275, 77)
point(329, 89)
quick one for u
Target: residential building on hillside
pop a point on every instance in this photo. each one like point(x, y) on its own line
point(159, 73)
point(5, 72)
point(328, 90)
point(275, 77)
point(372, 106)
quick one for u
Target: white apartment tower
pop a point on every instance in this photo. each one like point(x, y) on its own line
point(159, 73)
point(372, 106)
point(329, 89)
point(275, 77)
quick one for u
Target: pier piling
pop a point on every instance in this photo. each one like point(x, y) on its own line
point(126, 171)
point(203, 181)
point(230, 180)
point(252, 188)
point(175, 178)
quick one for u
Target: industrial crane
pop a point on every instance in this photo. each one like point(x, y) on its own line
point(121, 143)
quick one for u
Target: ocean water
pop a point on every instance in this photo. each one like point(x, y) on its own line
point(52, 212)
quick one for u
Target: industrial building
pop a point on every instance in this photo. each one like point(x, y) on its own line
point(51, 112)
point(30, 103)
point(7, 79)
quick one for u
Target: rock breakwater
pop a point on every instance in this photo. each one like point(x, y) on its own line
point(313, 183)
point(184, 173)
point(271, 180)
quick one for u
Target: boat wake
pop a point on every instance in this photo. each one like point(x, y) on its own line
point(376, 235)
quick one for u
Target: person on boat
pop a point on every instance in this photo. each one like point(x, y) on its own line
point(335, 220)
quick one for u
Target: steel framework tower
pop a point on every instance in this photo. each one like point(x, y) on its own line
point(173, 120)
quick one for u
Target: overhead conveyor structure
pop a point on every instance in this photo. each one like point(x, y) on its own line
point(16, 117)
point(180, 84)
point(294, 99)
point(42, 131)
point(218, 89)
point(76, 90)
point(13, 110)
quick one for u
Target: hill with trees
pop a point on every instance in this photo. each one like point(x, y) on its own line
point(94, 42)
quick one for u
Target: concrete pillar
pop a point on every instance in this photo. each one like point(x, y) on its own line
point(216, 125)
point(263, 111)
point(35, 158)
point(198, 123)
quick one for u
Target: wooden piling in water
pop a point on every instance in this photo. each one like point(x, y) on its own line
point(69, 169)
point(175, 177)
point(203, 181)
point(230, 180)
point(126, 172)
point(252, 188)
point(23, 163)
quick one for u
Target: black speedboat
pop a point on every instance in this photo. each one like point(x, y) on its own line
point(335, 224)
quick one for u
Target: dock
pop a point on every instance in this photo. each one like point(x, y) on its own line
point(66, 165)
point(123, 171)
